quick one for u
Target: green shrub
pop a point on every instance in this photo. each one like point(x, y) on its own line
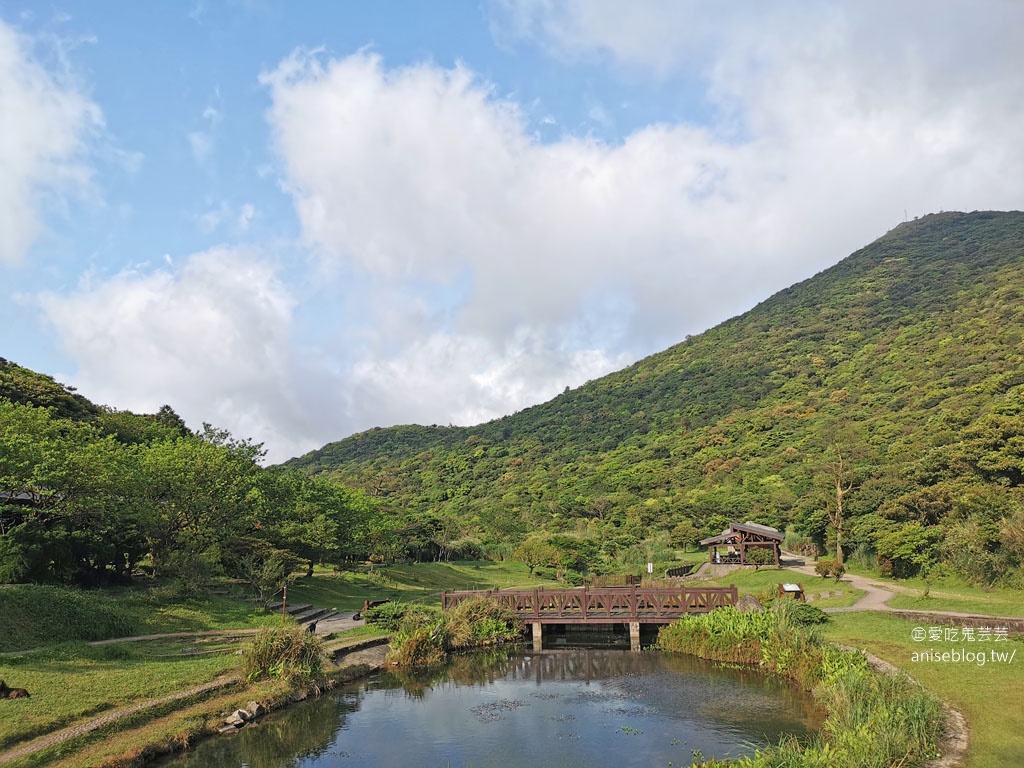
point(289, 653)
point(426, 637)
point(725, 634)
point(479, 621)
point(391, 616)
point(799, 612)
point(829, 569)
point(420, 641)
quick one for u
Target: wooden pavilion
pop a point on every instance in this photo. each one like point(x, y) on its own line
point(738, 539)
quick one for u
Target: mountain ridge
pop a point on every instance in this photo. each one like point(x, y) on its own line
point(908, 344)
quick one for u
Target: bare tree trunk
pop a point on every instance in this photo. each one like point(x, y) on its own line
point(838, 522)
point(841, 475)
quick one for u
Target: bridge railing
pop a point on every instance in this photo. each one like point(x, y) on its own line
point(603, 604)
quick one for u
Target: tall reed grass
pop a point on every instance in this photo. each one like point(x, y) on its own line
point(289, 653)
point(874, 720)
point(427, 638)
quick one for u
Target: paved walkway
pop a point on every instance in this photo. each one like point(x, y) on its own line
point(876, 598)
point(878, 595)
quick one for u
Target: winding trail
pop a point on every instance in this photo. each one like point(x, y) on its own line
point(878, 595)
point(875, 599)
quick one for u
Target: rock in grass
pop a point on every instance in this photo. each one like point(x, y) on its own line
point(749, 603)
point(238, 718)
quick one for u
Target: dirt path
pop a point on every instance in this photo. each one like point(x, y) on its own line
point(57, 737)
point(876, 598)
point(365, 653)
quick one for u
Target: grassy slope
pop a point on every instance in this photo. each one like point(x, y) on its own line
point(413, 582)
point(962, 598)
point(41, 616)
point(75, 681)
point(989, 696)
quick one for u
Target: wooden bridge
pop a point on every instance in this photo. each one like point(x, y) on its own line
point(602, 605)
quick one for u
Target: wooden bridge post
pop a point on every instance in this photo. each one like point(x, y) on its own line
point(634, 636)
point(538, 637)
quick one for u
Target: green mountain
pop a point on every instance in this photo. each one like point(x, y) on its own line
point(21, 385)
point(895, 375)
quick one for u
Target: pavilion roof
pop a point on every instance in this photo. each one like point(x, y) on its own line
point(730, 533)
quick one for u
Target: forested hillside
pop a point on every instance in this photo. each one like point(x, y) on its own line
point(90, 495)
point(891, 383)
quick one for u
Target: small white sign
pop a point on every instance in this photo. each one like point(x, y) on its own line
point(650, 568)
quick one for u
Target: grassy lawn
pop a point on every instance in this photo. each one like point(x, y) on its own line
point(764, 583)
point(409, 582)
point(72, 681)
point(35, 617)
point(960, 597)
point(152, 616)
point(989, 696)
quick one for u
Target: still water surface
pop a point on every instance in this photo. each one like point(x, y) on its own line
point(557, 708)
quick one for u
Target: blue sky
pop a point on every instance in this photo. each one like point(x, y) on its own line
point(302, 220)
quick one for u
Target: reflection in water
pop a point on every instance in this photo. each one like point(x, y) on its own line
point(498, 708)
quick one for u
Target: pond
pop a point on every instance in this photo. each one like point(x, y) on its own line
point(566, 708)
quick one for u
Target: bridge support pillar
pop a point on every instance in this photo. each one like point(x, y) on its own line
point(538, 636)
point(634, 635)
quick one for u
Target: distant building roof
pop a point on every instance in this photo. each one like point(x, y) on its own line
point(729, 533)
point(19, 497)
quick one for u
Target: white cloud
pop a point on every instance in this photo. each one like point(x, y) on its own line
point(203, 140)
point(225, 214)
point(470, 269)
point(245, 217)
point(465, 379)
point(210, 337)
point(45, 125)
point(657, 36)
point(423, 174)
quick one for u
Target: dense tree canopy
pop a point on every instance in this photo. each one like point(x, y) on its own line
point(85, 500)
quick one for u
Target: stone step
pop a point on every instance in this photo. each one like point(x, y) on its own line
point(292, 608)
point(312, 614)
